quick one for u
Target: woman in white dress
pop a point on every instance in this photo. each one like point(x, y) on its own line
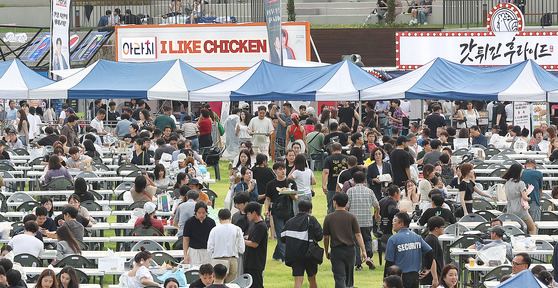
point(242, 127)
point(469, 115)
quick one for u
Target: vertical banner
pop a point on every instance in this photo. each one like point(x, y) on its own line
point(521, 115)
point(60, 35)
point(274, 37)
point(540, 114)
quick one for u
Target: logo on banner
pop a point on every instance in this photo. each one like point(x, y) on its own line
point(139, 48)
point(505, 17)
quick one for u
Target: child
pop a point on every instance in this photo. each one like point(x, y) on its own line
point(206, 277)
point(219, 274)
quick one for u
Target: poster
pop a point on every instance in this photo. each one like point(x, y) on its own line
point(274, 38)
point(483, 120)
point(539, 113)
point(60, 28)
point(522, 115)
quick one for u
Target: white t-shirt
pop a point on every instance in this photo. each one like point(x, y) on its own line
point(509, 112)
point(303, 180)
point(261, 125)
point(32, 126)
point(24, 243)
point(97, 124)
point(135, 281)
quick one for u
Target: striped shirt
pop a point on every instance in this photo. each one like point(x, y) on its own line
point(361, 201)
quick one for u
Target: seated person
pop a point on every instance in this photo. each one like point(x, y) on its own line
point(195, 184)
point(133, 135)
point(140, 156)
point(78, 161)
point(75, 201)
point(13, 140)
point(148, 220)
point(486, 235)
point(219, 275)
point(247, 184)
point(13, 278)
point(206, 277)
point(430, 194)
point(49, 139)
point(75, 222)
point(185, 209)
point(27, 242)
point(437, 210)
point(45, 223)
point(4, 155)
point(144, 189)
point(21, 230)
point(496, 235)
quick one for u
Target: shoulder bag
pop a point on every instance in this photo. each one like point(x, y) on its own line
point(315, 253)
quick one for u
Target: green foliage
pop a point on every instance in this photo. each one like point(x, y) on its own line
point(390, 15)
point(291, 10)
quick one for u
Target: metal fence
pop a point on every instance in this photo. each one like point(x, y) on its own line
point(87, 13)
point(473, 13)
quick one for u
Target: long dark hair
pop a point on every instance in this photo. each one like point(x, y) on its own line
point(260, 159)
point(80, 186)
point(181, 176)
point(445, 272)
point(142, 255)
point(74, 280)
point(326, 115)
point(513, 173)
point(248, 162)
point(300, 162)
point(157, 171)
point(64, 234)
point(46, 199)
point(54, 162)
point(22, 117)
point(147, 220)
point(246, 117)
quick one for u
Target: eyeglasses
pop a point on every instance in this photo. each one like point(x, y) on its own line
point(517, 264)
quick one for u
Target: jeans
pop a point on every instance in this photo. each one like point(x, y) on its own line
point(367, 238)
point(329, 198)
point(342, 260)
point(195, 144)
point(535, 211)
point(23, 140)
point(422, 15)
point(279, 252)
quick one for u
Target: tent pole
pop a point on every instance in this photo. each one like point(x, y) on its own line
point(359, 112)
point(190, 108)
point(547, 113)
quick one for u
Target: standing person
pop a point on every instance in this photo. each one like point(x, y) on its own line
point(191, 132)
point(396, 118)
point(388, 210)
point(263, 175)
point(436, 228)
point(196, 234)
point(435, 120)
point(533, 177)
point(516, 191)
point(499, 117)
point(281, 133)
point(256, 245)
point(11, 114)
point(22, 125)
point(303, 177)
point(226, 242)
point(347, 115)
point(467, 187)
point(333, 166)
point(261, 124)
point(296, 234)
point(164, 120)
point(405, 249)
point(242, 126)
point(377, 169)
point(204, 125)
point(401, 161)
point(361, 202)
point(340, 228)
point(280, 206)
point(469, 115)
point(296, 133)
point(69, 132)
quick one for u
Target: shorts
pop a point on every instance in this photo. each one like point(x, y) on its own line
point(299, 267)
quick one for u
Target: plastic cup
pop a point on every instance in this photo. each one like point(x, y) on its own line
point(164, 221)
point(471, 262)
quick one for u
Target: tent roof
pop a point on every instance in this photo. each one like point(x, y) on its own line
point(170, 80)
point(266, 82)
point(442, 79)
point(16, 79)
point(524, 278)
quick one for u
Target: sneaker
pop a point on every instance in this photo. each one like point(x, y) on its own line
point(370, 264)
point(425, 23)
point(277, 259)
point(359, 268)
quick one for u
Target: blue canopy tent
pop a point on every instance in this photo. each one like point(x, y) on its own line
point(16, 80)
point(442, 79)
point(524, 278)
point(269, 82)
point(165, 80)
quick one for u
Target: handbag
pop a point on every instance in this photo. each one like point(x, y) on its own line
point(315, 253)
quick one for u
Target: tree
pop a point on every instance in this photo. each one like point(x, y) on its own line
point(390, 15)
point(291, 11)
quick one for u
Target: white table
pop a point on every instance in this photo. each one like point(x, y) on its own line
point(39, 270)
point(95, 255)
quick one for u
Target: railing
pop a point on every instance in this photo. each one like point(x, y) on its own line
point(473, 13)
point(86, 13)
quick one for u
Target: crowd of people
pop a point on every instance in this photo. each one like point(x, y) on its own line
point(370, 177)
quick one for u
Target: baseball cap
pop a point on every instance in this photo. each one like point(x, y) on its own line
point(70, 110)
point(294, 116)
point(11, 131)
point(498, 230)
point(181, 157)
point(401, 139)
point(149, 207)
point(194, 181)
point(245, 106)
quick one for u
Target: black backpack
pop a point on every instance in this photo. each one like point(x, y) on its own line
point(546, 19)
point(283, 207)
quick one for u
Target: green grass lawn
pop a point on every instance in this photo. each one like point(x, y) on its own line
point(277, 274)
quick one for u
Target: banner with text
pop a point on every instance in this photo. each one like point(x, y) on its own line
point(477, 48)
point(522, 115)
point(208, 46)
point(60, 28)
point(274, 39)
point(540, 114)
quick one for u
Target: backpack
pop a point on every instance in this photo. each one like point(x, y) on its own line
point(283, 207)
point(546, 19)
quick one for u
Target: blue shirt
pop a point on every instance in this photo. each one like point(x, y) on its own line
point(480, 140)
point(535, 178)
point(11, 114)
point(405, 250)
point(243, 187)
point(103, 21)
point(123, 127)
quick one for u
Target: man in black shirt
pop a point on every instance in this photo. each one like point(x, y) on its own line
point(49, 139)
point(240, 218)
point(435, 120)
point(388, 209)
point(499, 117)
point(196, 234)
point(281, 204)
point(333, 166)
point(436, 228)
point(256, 245)
point(347, 174)
point(335, 136)
point(347, 115)
point(401, 161)
point(437, 210)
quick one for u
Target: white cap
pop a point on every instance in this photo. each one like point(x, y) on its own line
point(149, 207)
